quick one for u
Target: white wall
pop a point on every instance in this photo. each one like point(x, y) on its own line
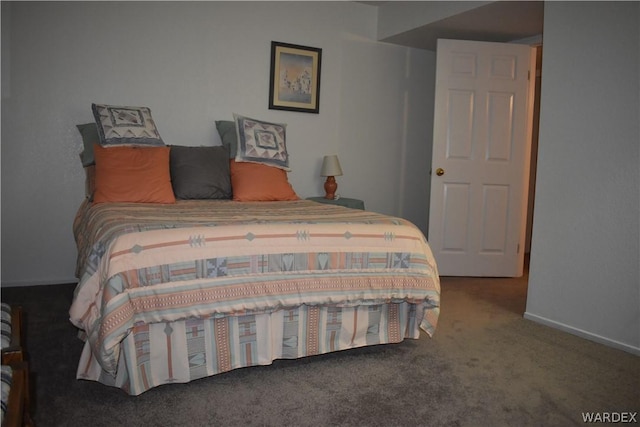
point(397, 17)
point(193, 63)
point(585, 275)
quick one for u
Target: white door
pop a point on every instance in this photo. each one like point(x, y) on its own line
point(480, 164)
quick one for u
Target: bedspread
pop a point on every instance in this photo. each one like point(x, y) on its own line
point(143, 263)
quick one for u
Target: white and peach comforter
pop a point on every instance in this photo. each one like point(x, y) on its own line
point(144, 264)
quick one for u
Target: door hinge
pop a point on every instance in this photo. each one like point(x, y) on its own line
point(529, 75)
point(518, 249)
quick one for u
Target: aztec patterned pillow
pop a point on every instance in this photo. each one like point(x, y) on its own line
point(261, 142)
point(120, 125)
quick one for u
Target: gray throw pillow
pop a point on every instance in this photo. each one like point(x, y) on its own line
point(200, 172)
point(228, 135)
point(89, 133)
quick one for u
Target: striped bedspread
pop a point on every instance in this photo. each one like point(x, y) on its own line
point(145, 264)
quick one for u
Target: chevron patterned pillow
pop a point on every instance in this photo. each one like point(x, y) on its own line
point(121, 125)
point(261, 142)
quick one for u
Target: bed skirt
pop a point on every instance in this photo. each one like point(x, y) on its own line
point(194, 348)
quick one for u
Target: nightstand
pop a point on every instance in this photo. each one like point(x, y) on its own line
point(342, 201)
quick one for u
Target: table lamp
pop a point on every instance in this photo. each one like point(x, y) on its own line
point(330, 168)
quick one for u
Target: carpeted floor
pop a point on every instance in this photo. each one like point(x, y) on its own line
point(485, 366)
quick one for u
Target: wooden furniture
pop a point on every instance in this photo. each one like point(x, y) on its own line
point(342, 201)
point(14, 352)
point(17, 403)
point(14, 356)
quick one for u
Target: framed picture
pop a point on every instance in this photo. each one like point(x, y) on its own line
point(295, 78)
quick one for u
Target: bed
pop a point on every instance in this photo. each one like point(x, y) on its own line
point(174, 291)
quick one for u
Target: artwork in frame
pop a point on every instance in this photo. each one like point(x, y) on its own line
point(295, 78)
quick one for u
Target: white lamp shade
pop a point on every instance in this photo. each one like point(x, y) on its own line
point(331, 166)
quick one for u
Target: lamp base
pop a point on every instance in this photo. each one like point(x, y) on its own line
point(330, 187)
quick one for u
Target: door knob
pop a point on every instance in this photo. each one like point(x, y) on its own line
point(439, 171)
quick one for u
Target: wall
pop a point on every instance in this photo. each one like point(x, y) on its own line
point(193, 63)
point(584, 275)
point(398, 17)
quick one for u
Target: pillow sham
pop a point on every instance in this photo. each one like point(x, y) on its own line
point(261, 142)
point(200, 172)
point(227, 132)
point(122, 125)
point(255, 182)
point(132, 174)
point(89, 133)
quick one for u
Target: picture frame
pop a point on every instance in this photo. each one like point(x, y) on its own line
point(294, 83)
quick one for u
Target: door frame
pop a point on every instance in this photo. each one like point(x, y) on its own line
point(535, 83)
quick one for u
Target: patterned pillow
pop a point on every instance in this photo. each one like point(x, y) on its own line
point(120, 125)
point(261, 142)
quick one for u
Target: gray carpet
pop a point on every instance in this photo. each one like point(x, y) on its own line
point(486, 365)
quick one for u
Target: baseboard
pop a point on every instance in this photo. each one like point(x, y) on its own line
point(583, 334)
point(22, 283)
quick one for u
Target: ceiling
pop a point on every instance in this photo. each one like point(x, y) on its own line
point(500, 21)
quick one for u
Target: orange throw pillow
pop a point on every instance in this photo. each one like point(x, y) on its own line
point(255, 182)
point(133, 174)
